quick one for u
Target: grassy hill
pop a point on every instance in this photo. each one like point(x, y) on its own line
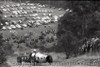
point(35, 34)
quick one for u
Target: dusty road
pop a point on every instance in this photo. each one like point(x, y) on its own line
point(80, 61)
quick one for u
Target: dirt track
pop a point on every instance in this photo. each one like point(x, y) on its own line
point(81, 61)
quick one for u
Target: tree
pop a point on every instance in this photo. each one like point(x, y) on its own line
point(82, 22)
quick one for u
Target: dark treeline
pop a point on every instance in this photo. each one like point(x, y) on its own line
point(81, 24)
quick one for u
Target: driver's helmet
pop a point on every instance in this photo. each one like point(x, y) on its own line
point(34, 50)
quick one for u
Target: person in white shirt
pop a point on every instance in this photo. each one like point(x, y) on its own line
point(33, 56)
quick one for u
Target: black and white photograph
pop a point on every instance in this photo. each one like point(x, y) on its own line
point(49, 33)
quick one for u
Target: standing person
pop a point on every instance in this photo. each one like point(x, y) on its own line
point(33, 55)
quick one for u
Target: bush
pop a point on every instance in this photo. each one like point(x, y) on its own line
point(2, 56)
point(5, 49)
